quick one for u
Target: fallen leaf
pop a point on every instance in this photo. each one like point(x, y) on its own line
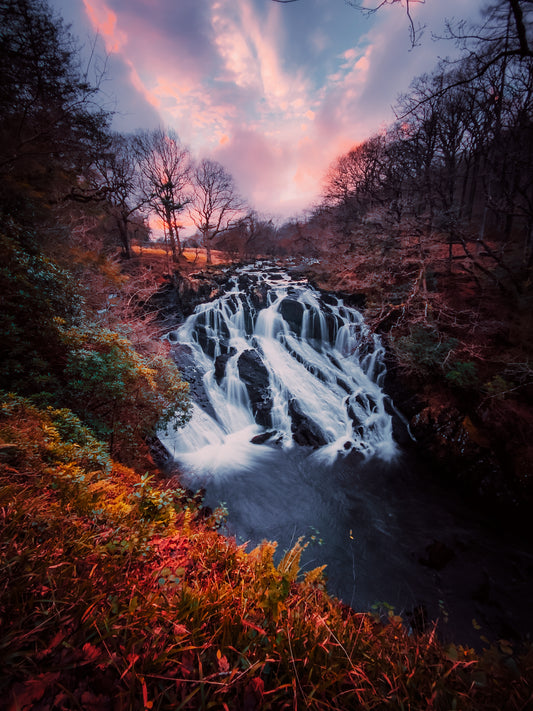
point(223, 665)
point(26, 694)
point(90, 652)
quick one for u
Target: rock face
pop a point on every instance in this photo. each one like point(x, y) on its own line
point(255, 376)
point(184, 359)
point(220, 364)
point(450, 438)
point(304, 430)
point(181, 293)
point(292, 311)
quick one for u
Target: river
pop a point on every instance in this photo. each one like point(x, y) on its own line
point(293, 432)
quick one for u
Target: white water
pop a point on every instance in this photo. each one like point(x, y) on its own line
point(373, 510)
point(320, 357)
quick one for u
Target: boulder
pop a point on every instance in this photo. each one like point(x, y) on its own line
point(255, 376)
point(292, 311)
point(220, 364)
point(304, 431)
point(263, 437)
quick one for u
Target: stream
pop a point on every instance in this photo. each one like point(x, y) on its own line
point(293, 432)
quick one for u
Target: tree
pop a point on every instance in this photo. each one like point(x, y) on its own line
point(50, 120)
point(216, 204)
point(165, 173)
point(413, 31)
point(116, 180)
point(516, 41)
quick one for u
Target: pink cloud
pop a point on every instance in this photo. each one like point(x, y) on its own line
point(217, 72)
point(104, 21)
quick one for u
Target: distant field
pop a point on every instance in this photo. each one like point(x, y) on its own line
point(197, 257)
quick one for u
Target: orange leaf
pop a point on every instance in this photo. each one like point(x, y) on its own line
point(90, 652)
point(223, 665)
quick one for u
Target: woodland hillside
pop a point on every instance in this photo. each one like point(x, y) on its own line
point(117, 589)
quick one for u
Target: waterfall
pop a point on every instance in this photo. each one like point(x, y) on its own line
point(281, 368)
point(292, 431)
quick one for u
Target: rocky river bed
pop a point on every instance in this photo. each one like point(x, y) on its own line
point(294, 432)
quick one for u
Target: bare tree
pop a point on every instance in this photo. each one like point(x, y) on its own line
point(516, 41)
point(216, 204)
point(116, 180)
point(414, 31)
point(165, 172)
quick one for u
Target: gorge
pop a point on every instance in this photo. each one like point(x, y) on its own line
point(293, 431)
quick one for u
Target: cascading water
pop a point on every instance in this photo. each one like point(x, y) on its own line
point(287, 366)
point(292, 430)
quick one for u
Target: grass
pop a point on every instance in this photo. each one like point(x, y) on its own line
point(118, 592)
point(190, 256)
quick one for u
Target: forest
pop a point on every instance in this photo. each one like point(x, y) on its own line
point(117, 588)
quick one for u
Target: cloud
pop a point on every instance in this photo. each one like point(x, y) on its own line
point(275, 92)
point(105, 21)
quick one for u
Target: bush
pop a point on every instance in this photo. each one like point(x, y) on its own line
point(463, 374)
point(423, 351)
point(37, 297)
point(120, 394)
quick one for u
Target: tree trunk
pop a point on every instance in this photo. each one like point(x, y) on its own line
point(177, 236)
point(171, 237)
point(122, 226)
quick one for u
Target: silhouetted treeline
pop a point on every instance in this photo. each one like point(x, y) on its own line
point(457, 163)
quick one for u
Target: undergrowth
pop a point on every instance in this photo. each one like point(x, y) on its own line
point(118, 592)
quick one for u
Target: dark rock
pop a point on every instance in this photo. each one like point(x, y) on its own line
point(220, 364)
point(180, 295)
point(354, 301)
point(314, 326)
point(255, 376)
point(329, 298)
point(159, 452)
point(246, 281)
point(438, 555)
point(263, 437)
point(183, 357)
point(292, 311)
point(351, 414)
point(400, 426)
point(333, 324)
point(304, 431)
point(206, 342)
point(258, 296)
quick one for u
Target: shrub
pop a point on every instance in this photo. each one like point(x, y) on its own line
point(37, 297)
point(120, 394)
point(463, 374)
point(423, 351)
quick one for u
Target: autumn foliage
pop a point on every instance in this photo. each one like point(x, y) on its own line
point(118, 592)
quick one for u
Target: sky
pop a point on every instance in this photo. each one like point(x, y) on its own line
point(275, 92)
